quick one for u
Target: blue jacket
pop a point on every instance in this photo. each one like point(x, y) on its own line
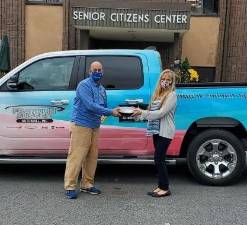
point(90, 104)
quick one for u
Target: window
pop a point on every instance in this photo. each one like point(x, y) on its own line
point(196, 6)
point(120, 72)
point(47, 74)
point(204, 7)
point(207, 74)
point(210, 6)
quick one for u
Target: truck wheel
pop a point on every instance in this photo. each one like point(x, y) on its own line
point(216, 157)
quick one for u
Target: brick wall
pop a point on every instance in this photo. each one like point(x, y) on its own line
point(232, 52)
point(12, 23)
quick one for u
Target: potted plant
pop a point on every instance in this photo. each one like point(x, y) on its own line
point(184, 72)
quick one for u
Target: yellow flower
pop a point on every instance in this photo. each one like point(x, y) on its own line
point(194, 76)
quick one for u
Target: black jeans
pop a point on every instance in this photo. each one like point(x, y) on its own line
point(161, 145)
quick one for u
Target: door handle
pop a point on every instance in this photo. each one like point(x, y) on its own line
point(59, 102)
point(134, 101)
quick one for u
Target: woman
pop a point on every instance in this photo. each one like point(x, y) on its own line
point(161, 126)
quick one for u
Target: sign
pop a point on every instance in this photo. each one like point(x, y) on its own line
point(34, 113)
point(131, 18)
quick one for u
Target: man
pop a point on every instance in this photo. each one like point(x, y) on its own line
point(89, 106)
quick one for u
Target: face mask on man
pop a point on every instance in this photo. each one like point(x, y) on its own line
point(97, 76)
point(165, 84)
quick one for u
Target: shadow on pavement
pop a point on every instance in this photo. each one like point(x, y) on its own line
point(110, 172)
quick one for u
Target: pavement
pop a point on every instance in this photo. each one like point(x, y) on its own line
point(33, 194)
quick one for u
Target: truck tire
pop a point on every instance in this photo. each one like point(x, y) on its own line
point(216, 157)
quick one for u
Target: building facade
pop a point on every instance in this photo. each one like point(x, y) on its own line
point(210, 33)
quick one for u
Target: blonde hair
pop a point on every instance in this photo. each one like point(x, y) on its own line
point(161, 93)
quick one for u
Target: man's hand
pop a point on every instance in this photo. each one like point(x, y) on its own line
point(116, 112)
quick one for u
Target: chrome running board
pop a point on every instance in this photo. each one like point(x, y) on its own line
point(11, 160)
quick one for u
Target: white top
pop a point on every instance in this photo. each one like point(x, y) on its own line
point(166, 116)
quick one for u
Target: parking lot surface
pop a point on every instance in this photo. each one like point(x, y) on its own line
point(33, 194)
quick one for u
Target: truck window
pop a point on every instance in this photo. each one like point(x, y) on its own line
point(47, 74)
point(120, 72)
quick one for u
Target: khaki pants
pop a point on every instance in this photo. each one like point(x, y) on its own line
point(82, 155)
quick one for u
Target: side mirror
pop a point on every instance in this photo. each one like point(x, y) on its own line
point(12, 83)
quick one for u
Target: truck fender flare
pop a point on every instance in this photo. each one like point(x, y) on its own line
point(218, 122)
point(228, 123)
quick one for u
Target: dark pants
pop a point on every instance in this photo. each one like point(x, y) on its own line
point(161, 145)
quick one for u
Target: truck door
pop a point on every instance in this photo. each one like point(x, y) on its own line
point(127, 83)
point(35, 108)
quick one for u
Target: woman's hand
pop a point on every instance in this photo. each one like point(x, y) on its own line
point(103, 118)
point(137, 112)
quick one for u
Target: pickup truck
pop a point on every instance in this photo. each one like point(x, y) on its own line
point(36, 100)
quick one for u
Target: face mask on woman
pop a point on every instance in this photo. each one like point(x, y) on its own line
point(97, 76)
point(165, 84)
